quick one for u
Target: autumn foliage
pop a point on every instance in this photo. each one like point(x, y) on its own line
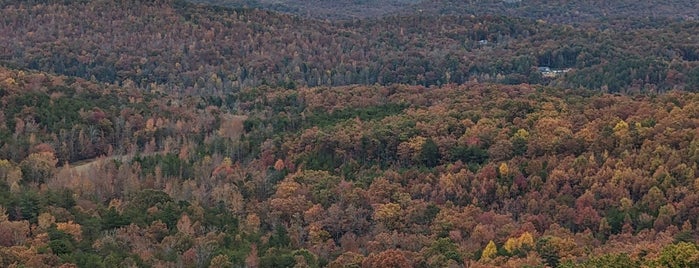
point(366, 143)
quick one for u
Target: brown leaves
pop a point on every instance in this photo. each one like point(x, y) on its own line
point(231, 126)
point(9, 172)
point(289, 199)
point(252, 260)
point(184, 225)
point(279, 165)
point(390, 258)
point(71, 228)
point(14, 233)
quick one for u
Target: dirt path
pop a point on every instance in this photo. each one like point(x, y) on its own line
point(83, 167)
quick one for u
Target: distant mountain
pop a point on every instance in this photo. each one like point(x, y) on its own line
point(569, 11)
point(323, 9)
point(199, 48)
point(566, 11)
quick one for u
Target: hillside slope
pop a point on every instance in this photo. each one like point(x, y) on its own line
point(476, 174)
point(189, 48)
point(560, 11)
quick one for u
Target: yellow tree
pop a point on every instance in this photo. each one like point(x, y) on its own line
point(388, 214)
point(504, 170)
point(682, 254)
point(511, 245)
point(489, 251)
point(524, 241)
point(220, 261)
point(38, 167)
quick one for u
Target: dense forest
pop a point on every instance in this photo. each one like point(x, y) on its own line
point(171, 134)
point(474, 174)
point(565, 11)
point(191, 48)
point(568, 11)
point(321, 9)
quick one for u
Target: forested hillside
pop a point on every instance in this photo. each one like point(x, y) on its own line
point(203, 49)
point(474, 174)
point(168, 134)
point(593, 12)
point(559, 11)
point(321, 9)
